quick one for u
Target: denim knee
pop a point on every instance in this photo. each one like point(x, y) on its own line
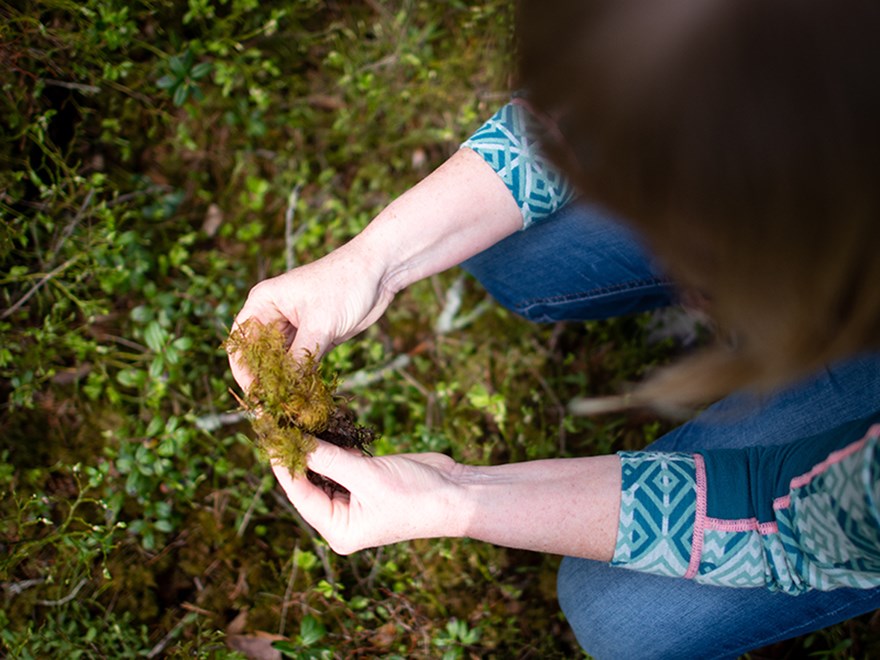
point(579, 264)
point(594, 620)
point(617, 613)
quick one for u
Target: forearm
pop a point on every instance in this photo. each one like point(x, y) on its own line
point(458, 211)
point(561, 506)
point(497, 183)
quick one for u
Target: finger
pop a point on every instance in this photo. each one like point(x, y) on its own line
point(345, 468)
point(240, 373)
point(312, 502)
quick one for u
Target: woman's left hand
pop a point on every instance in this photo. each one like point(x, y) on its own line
point(391, 498)
point(566, 505)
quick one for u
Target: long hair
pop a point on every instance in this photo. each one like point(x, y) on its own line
point(742, 139)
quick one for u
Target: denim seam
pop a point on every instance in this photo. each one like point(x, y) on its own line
point(594, 293)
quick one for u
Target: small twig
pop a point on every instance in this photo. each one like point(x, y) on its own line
point(300, 521)
point(189, 607)
point(15, 588)
point(289, 235)
point(446, 319)
point(69, 597)
point(128, 343)
point(285, 604)
point(377, 564)
point(68, 230)
point(449, 320)
point(466, 319)
point(36, 287)
point(363, 377)
point(250, 512)
point(321, 551)
point(79, 87)
point(388, 60)
point(176, 543)
point(380, 9)
point(212, 422)
point(409, 378)
point(557, 404)
point(166, 640)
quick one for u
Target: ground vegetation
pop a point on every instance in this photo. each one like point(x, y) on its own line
point(157, 159)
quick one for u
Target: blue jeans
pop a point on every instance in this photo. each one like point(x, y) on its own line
point(581, 264)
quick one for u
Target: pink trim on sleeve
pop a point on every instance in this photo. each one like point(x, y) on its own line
point(742, 525)
point(834, 458)
point(699, 520)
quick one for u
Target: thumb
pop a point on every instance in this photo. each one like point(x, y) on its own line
point(306, 342)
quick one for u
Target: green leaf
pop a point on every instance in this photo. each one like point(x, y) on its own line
point(157, 366)
point(201, 70)
point(182, 343)
point(166, 448)
point(287, 648)
point(180, 95)
point(167, 82)
point(156, 336)
point(156, 425)
point(131, 377)
point(305, 560)
point(359, 603)
point(141, 314)
point(311, 630)
point(177, 66)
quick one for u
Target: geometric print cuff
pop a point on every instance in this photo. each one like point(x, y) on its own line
point(510, 143)
point(658, 505)
point(824, 532)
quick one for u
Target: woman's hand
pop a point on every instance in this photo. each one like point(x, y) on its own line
point(392, 498)
point(459, 210)
point(321, 304)
point(564, 506)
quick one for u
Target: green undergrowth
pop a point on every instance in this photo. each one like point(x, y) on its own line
point(157, 159)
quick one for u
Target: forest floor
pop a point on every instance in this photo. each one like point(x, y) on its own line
point(157, 159)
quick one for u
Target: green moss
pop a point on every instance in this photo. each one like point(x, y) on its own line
point(291, 400)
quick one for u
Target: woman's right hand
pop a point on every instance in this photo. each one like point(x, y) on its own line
point(321, 304)
point(459, 210)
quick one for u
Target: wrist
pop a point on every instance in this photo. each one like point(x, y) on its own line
point(460, 501)
point(561, 506)
point(459, 210)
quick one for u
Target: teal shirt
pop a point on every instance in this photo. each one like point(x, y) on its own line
point(510, 143)
point(790, 517)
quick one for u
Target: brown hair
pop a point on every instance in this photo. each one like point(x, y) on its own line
point(742, 138)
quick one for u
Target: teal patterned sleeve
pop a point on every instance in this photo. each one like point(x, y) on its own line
point(789, 518)
point(658, 504)
point(509, 142)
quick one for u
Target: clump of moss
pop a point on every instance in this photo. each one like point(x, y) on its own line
point(291, 400)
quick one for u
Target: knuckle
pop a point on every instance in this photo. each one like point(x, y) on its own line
point(257, 291)
point(339, 545)
point(322, 459)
